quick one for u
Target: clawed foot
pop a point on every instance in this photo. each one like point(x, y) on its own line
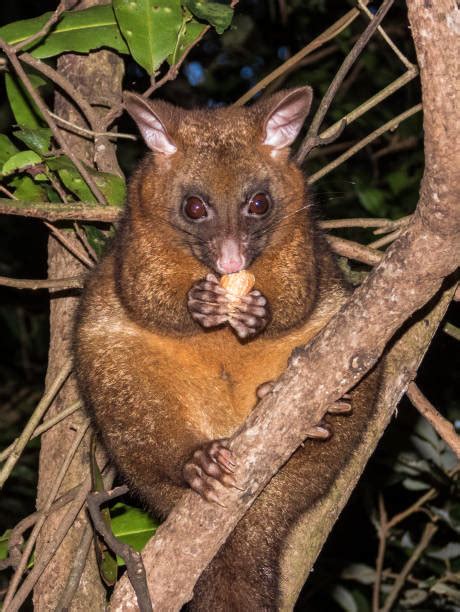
point(322, 431)
point(212, 462)
point(211, 305)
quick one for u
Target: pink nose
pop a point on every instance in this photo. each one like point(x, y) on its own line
point(233, 265)
point(230, 258)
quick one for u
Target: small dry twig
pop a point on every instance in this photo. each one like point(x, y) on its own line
point(45, 426)
point(73, 282)
point(312, 138)
point(44, 511)
point(134, 564)
point(441, 425)
point(72, 248)
point(32, 423)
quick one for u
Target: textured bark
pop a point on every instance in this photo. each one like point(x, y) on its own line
point(98, 77)
point(409, 275)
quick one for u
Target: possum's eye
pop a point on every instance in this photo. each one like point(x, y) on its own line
point(195, 208)
point(258, 204)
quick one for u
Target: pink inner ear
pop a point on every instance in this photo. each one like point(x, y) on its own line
point(285, 122)
point(152, 129)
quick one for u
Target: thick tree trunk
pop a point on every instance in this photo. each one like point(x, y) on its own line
point(99, 78)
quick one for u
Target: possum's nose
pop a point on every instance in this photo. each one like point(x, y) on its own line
point(231, 259)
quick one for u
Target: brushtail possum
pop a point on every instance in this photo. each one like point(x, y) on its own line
point(170, 364)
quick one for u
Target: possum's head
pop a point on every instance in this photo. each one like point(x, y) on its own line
point(220, 181)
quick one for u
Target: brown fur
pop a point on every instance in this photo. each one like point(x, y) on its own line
point(159, 386)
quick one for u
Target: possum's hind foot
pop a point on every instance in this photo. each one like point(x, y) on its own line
point(213, 462)
point(322, 430)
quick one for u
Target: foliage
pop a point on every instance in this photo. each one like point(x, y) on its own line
point(381, 181)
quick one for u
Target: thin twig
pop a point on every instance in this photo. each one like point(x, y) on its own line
point(387, 39)
point(32, 423)
point(57, 482)
point(55, 211)
point(50, 548)
point(356, 222)
point(134, 564)
point(377, 244)
point(72, 248)
point(7, 192)
point(441, 425)
point(428, 533)
point(312, 139)
point(56, 185)
point(412, 509)
point(328, 34)
point(72, 282)
point(85, 242)
point(42, 32)
point(390, 125)
point(65, 85)
point(83, 131)
point(370, 103)
point(452, 331)
point(78, 566)
point(48, 424)
point(382, 533)
point(354, 250)
point(9, 51)
point(16, 539)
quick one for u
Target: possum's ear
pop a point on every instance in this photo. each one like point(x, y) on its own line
point(284, 120)
point(150, 124)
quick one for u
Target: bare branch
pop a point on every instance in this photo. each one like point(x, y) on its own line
point(441, 425)
point(32, 423)
point(69, 245)
point(17, 601)
point(134, 564)
point(328, 34)
point(73, 211)
point(390, 125)
point(42, 32)
point(312, 139)
point(354, 250)
point(425, 540)
point(45, 426)
point(73, 282)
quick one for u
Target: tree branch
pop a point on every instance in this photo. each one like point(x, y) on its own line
point(441, 425)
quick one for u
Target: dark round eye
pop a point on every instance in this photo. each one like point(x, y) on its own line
point(195, 208)
point(258, 204)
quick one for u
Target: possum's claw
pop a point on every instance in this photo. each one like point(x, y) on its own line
point(211, 462)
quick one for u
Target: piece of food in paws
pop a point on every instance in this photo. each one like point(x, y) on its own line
point(239, 283)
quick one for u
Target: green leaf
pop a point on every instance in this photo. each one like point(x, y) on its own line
point(373, 200)
point(106, 559)
point(218, 15)
point(28, 190)
point(79, 31)
point(38, 139)
point(7, 149)
point(21, 160)
point(132, 526)
point(97, 238)
point(150, 28)
point(359, 572)
point(112, 186)
point(24, 108)
point(189, 32)
point(4, 539)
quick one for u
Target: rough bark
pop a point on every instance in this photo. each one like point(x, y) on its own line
point(411, 272)
point(98, 77)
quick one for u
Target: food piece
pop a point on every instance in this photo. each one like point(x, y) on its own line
point(238, 284)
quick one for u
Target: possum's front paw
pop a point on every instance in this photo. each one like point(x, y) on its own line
point(212, 462)
point(248, 315)
point(208, 302)
point(210, 305)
